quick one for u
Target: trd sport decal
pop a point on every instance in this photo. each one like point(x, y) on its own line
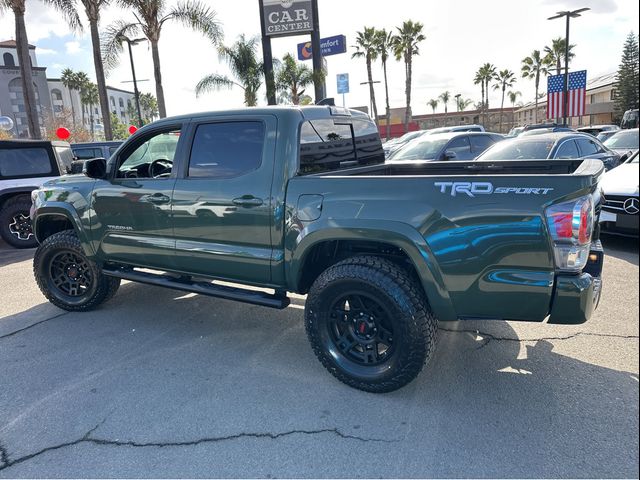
point(486, 188)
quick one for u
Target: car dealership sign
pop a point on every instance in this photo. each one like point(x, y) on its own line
point(287, 17)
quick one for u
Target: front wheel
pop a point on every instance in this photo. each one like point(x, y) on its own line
point(369, 324)
point(67, 277)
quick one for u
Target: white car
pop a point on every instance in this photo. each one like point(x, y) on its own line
point(621, 207)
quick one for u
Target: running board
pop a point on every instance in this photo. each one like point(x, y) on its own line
point(253, 297)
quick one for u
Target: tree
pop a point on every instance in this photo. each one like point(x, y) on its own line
point(534, 66)
point(384, 46)
point(292, 78)
point(89, 96)
point(513, 97)
point(405, 47)
point(479, 80)
point(18, 7)
point(150, 16)
point(433, 103)
point(366, 46)
point(82, 82)
point(462, 103)
point(445, 97)
point(627, 78)
point(556, 53)
point(92, 9)
point(69, 80)
point(484, 76)
point(506, 78)
point(119, 129)
point(148, 107)
point(243, 61)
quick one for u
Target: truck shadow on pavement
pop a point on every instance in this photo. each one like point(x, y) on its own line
point(9, 255)
point(623, 248)
point(161, 367)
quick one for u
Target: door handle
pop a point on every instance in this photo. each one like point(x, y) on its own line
point(247, 201)
point(158, 198)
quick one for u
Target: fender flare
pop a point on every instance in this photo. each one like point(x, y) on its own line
point(62, 209)
point(398, 234)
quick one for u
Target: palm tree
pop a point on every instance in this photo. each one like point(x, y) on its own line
point(556, 53)
point(405, 46)
point(245, 66)
point(384, 45)
point(445, 97)
point(506, 78)
point(366, 46)
point(533, 67)
point(433, 103)
point(69, 80)
point(18, 7)
point(484, 76)
point(89, 96)
point(92, 9)
point(479, 79)
point(292, 78)
point(463, 103)
point(82, 81)
point(149, 107)
point(150, 17)
point(513, 97)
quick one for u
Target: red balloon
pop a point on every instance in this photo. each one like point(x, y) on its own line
point(132, 129)
point(62, 133)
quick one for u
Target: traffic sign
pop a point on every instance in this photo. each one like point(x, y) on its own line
point(343, 82)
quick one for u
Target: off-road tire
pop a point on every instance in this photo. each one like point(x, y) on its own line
point(99, 288)
point(414, 325)
point(12, 211)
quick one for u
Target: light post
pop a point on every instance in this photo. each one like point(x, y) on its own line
point(136, 93)
point(457, 97)
point(371, 99)
point(565, 94)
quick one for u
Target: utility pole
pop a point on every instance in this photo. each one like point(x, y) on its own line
point(267, 60)
point(316, 52)
point(565, 94)
point(136, 92)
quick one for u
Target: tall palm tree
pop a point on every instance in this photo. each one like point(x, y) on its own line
point(489, 73)
point(292, 78)
point(149, 107)
point(513, 97)
point(384, 46)
point(89, 96)
point(405, 47)
point(534, 66)
point(433, 103)
point(479, 79)
point(366, 46)
point(18, 7)
point(244, 64)
point(556, 53)
point(69, 80)
point(92, 9)
point(506, 78)
point(82, 81)
point(445, 97)
point(150, 16)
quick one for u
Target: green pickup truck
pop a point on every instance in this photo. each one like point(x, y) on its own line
point(283, 199)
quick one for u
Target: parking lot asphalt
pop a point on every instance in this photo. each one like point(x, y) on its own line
point(157, 383)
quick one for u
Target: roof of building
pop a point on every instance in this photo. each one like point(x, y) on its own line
point(592, 84)
point(12, 44)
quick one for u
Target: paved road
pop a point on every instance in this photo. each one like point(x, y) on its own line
point(158, 383)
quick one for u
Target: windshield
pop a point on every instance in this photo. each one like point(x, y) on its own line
point(518, 150)
point(420, 150)
point(628, 139)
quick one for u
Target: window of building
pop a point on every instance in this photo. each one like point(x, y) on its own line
point(225, 150)
point(113, 102)
point(613, 94)
point(121, 102)
point(592, 98)
point(8, 60)
point(56, 95)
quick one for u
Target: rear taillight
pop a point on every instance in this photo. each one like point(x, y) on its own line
point(571, 227)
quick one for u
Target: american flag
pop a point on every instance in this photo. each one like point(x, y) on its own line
point(577, 92)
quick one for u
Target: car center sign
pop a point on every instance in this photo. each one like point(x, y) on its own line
point(287, 17)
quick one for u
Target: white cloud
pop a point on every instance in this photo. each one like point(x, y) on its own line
point(46, 51)
point(73, 48)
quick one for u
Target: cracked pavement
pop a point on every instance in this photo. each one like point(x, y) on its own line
point(162, 384)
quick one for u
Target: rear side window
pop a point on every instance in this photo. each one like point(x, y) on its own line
point(567, 150)
point(24, 162)
point(224, 150)
point(329, 145)
point(87, 153)
point(66, 157)
point(460, 145)
point(588, 147)
point(479, 143)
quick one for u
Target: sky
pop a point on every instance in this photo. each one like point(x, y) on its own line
point(461, 35)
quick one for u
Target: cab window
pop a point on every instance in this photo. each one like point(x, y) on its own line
point(153, 157)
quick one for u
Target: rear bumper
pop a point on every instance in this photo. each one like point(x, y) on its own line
point(577, 296)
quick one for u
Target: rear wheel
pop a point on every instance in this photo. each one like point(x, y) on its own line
point(67, 277)
point(369, 324)
point(15, 224)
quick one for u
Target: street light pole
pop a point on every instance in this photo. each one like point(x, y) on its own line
point(457, 97)
point(565, 93)
point(371, 99)
point(136, 93)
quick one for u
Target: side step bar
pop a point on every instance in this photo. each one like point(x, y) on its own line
point(253, 297)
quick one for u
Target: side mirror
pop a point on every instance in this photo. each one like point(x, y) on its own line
point(95, 168)
point(449, 154)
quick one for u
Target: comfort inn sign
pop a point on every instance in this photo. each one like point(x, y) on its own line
point(287, 17)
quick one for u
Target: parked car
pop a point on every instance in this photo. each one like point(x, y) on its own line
point(382, 251)
point(24, 166)
point(597, 129)
point(395, 143)
point(561, 145)
point(515, 131)
point(542, 131)
point(456, 128)
point(87, 150)
point(621, 207)
point(624, 142)
point(602, 136)
point(446, 146)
